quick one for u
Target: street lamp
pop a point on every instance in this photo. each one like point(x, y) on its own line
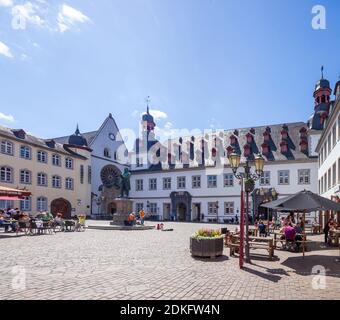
point(248, 184)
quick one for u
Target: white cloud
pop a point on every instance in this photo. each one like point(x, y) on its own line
point(157, 114)
point(5, 50)
point(6, 117)
point(28, 12)
point(68, 17)
point(6, 3)
point(168, 125)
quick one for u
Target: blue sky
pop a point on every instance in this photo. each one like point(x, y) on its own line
point(205, 63)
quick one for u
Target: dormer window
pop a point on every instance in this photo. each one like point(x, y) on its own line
point(284, 147)
point(233, 140)
point(266, 136)
point(303, 133)
point(50, 143)
point(303, 146)
point(21, 134)
point(284, 134)
point(265, 148)
point(247, 150)
point(230, 150)
point(250, 138)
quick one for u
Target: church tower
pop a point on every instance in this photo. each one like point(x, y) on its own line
point(322, 94)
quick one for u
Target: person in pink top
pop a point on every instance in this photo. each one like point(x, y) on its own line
point(290, 233)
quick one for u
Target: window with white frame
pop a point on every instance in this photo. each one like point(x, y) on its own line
point(265, 178)
point(304, 176)
point(139, 184)
point(25, 204)
point(212, 208)
point(283, 176)
point(5, 204)
point(180, 182)
point(42, 156)
point(334, 135)
point(7, 147)
point(329, 143)
point(69, 163)
point(25, 177)
point(153, 208)
point(6, 174)
point(42, 179)
point(56, 160)
point(334, 174)
point(82, 174)
point(167, 183)
point(42, 204)
point(153, 184)
point(89, 174)
point(229, 208)
point(196, 182)
point(212, 181)
point(228, 180)
point(56, 182)
point(69, 184)
point(339, 166)
point(25, 152)
point(329, 179)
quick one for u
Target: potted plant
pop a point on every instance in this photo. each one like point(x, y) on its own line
point(206, 243)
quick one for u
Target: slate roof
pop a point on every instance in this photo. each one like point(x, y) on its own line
point(38, 142)
point(89, 136)
point(293, 141)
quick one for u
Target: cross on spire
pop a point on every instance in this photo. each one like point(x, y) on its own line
point(322, 72)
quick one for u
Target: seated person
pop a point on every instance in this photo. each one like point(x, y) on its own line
point(59, 221)
point(3, 222)
point(298, 236)
point(290, 233)
point(262, 229)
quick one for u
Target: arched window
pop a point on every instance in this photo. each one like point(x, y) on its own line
point(25, 152)
point(42, 179)
point(42, 204)
point(6, 174)
point(25, 176)
point(42, 156)
point(7, 147)
point(107, 153)
point(323, 98)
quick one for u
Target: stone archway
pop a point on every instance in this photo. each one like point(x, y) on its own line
point(178, 198)
point(62, 206)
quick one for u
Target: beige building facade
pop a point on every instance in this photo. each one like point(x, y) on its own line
point(57, 175)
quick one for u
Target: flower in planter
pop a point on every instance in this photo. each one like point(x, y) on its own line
point(207, 234)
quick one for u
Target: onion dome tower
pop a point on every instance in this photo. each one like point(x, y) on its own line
point(322, 94)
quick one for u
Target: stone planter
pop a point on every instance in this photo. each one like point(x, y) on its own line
point(206, 248)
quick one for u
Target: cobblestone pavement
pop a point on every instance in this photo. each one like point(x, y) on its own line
point(154, 265)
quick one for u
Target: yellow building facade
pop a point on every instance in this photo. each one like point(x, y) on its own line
point(57, 175)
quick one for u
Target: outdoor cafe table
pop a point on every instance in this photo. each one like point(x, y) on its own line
point(280, 234)
point(254, 231)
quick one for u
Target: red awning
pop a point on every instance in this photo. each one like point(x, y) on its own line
point(10, 198)
point(9, 192)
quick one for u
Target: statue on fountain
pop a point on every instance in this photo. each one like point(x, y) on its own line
point(125, 185)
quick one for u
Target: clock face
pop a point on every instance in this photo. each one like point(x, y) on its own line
point(110, 176)
point(112, 136)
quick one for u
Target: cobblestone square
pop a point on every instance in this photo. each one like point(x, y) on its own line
point(101, 264)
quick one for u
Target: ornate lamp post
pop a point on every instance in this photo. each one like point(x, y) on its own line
point(248, 184)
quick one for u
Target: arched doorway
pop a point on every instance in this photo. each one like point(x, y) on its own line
point(112, 208)
point(61, 206)
point(181, 211)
